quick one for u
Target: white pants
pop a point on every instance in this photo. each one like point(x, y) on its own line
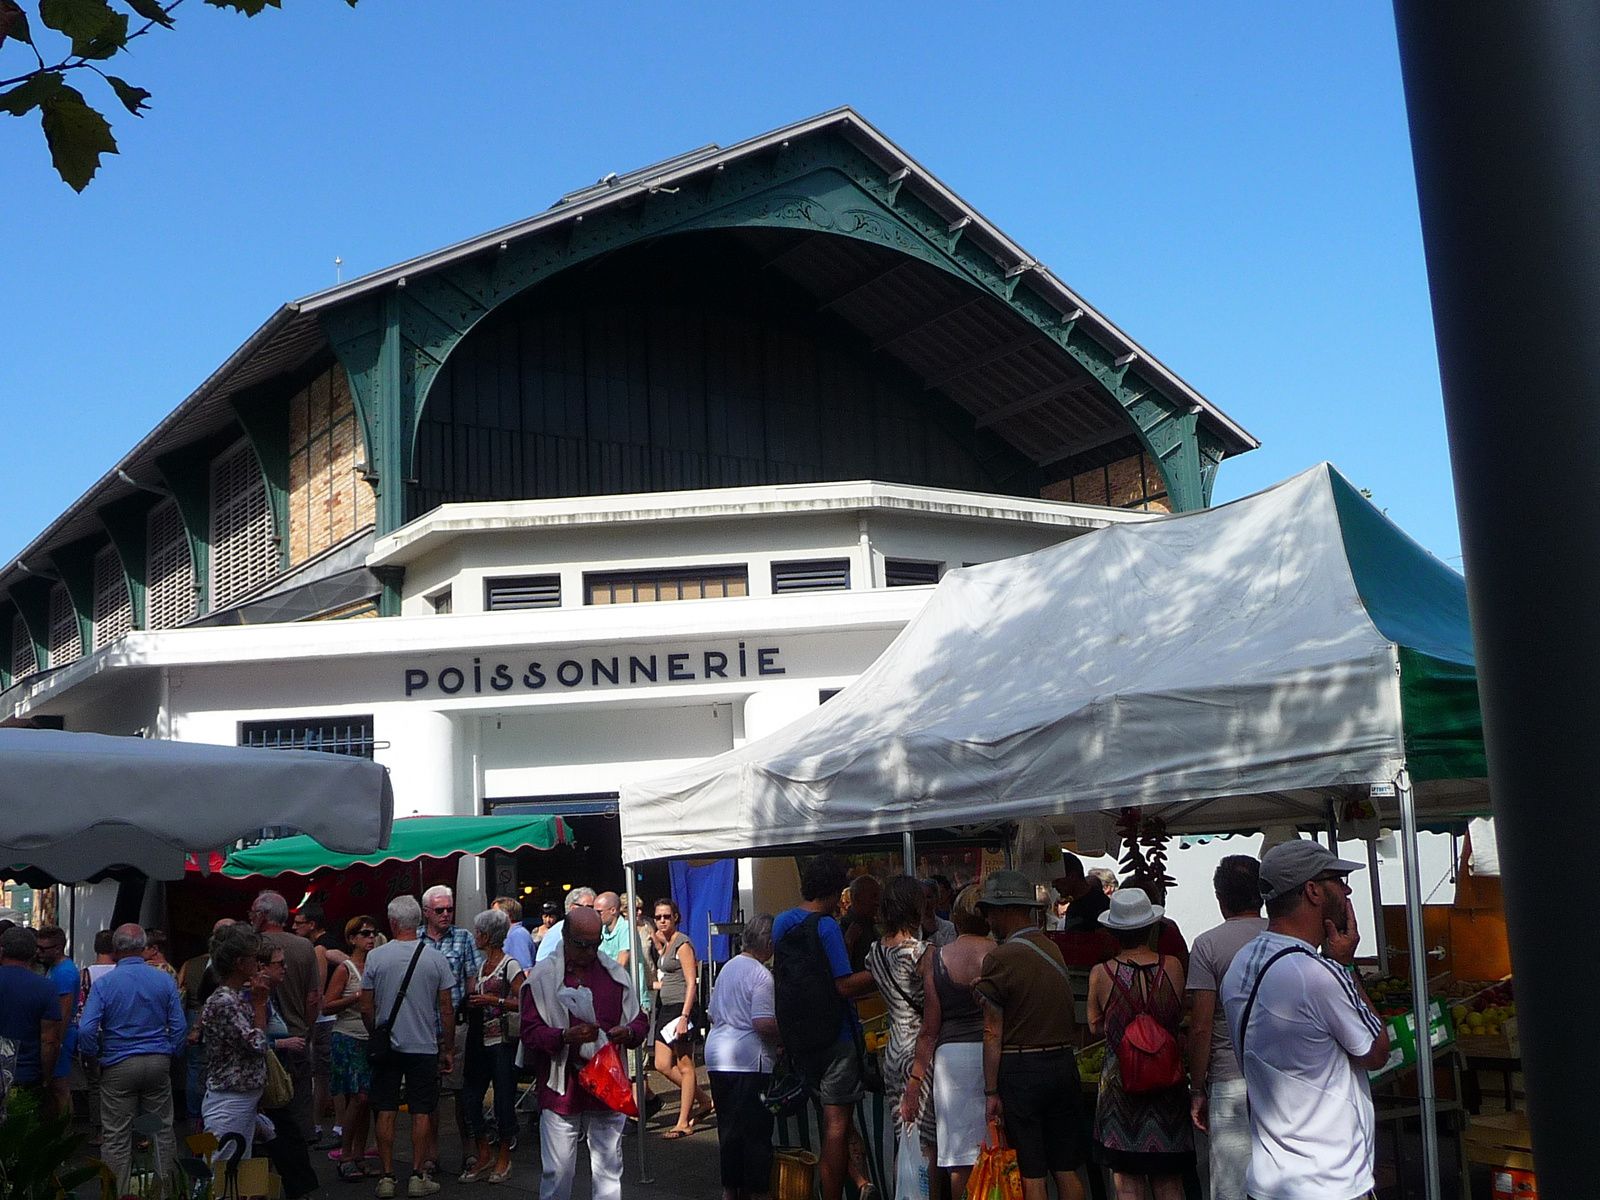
point(558, 1147)
point(1229, 1133)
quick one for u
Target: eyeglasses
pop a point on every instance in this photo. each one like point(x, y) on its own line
point(583, 943)
point(449, 909)
point(665, 917)
point(366, 933)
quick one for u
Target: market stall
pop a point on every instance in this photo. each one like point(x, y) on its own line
point(1291, 656)
point(79, 804)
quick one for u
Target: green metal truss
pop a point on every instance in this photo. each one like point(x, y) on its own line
point(392, 345)
point(32, 598)
point(124, 522)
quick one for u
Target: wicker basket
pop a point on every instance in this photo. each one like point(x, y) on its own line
point(794, 1174)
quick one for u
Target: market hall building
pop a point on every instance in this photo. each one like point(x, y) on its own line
point(601, 493)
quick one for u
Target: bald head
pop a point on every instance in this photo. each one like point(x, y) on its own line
point(609, 906)
point(222, 924)
point(581, 923)
point(128, 940)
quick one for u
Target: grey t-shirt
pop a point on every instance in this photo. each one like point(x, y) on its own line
point(416, 1025)
point(1209, 958)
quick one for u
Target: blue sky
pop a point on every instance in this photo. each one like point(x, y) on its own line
point(1230, 182)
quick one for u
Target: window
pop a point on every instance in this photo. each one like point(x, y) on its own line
point(1134, 482)
point(169, 596)
point(903, 572)
point(811, 575)
point(244, 550)
point(331, 735)
point(442, 601)
point(66, 641)
point(676, 583)
point(23, 660)
point(521, 591)
point(113, 606)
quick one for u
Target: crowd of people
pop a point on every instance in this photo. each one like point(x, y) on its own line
point(280, 1025)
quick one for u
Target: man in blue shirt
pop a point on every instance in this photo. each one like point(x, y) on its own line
point(29, 1013)
point(133, 1024)
point(62, 972)
point(519, 942)
point(834, 1071)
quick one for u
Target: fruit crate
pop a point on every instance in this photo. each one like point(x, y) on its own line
point(1403, 1037)
point(1500, 1141)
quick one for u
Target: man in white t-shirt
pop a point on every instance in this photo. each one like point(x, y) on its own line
point(1305, 1033)
point(1216, 1088)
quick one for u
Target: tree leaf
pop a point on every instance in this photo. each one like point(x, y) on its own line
point(14, 23)
point(96, 29)
point(133, 98)
point(248, 7)
point(30, 93)
point(150, 10)
point(77, 135)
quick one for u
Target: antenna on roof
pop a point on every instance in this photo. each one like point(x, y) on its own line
point(338, 269)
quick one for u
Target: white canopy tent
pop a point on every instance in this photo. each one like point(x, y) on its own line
point(1224, 669)
point(78, 804)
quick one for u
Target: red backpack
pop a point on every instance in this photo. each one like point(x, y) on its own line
point(1148, 1056)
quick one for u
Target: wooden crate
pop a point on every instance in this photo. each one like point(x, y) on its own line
point(1500, 1141)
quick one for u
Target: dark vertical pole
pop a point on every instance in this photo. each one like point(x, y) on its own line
point(1504, 103)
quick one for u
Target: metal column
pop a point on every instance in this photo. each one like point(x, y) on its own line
point(908, 849)
point(1426, 1091)
point(1505, 131)
point(641, 1065)
point(1378, 929)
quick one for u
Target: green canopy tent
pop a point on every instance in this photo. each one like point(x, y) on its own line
point(413, 838)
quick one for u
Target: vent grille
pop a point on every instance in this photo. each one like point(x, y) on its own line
point(811, 575)
point(244, 550)
point(330, 735)
point(113, 606)
point(66, 641)
point(23, 660)
point(170, 591)
point(521, 591)
point(903, 572)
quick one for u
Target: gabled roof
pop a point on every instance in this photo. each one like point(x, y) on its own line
point(292, 338)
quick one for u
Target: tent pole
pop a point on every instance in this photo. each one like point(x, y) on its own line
point(1428, 1101)
point(1333, 828)
point(641, 1085)
point(1378, 927)
point(908, 849)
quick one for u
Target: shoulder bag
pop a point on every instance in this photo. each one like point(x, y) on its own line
point(380, 1042)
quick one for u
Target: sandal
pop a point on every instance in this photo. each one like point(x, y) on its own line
point(675, 1133)
point(351, 1172)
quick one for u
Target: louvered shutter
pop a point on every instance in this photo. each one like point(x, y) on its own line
point(244, 550)
point(113, 606)
point(66, 642)
point(23, 660)
point(169, 597)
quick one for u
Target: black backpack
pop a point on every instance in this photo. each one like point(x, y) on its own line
point(809, 1009)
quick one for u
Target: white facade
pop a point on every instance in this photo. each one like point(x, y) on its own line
point(472, 707)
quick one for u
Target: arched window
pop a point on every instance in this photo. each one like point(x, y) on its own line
point(113, 606)
point(169, 597)
point(66, 643)
point(244, 550)
point(23, 660)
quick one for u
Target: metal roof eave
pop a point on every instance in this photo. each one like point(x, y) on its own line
point(867, 138)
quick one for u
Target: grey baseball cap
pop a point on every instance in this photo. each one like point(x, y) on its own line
point(1295, 864)
point(1008, 889)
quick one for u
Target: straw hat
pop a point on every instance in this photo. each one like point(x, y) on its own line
point(1131, 909)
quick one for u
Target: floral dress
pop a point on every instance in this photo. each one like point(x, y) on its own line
point(897, 970)
point(1147, 1134)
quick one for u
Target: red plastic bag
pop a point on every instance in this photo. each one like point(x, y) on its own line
point(606, 1079)
point(995, 1176)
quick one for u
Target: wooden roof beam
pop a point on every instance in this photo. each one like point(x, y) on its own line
point(989, 357)
point(866, 282)
point(1029, 402)
point(1092, 443)
point(911, 328)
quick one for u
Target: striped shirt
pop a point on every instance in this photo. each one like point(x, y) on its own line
point(1311, 1118)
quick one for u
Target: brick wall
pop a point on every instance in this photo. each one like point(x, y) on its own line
point(328, 500)
point(1133, 482)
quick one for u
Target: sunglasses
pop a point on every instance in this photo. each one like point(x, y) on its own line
point(451, 909)
point(583, 943)
point(366, 933)
point(665, 917)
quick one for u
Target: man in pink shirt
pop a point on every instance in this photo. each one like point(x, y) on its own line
point(558, 1046)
